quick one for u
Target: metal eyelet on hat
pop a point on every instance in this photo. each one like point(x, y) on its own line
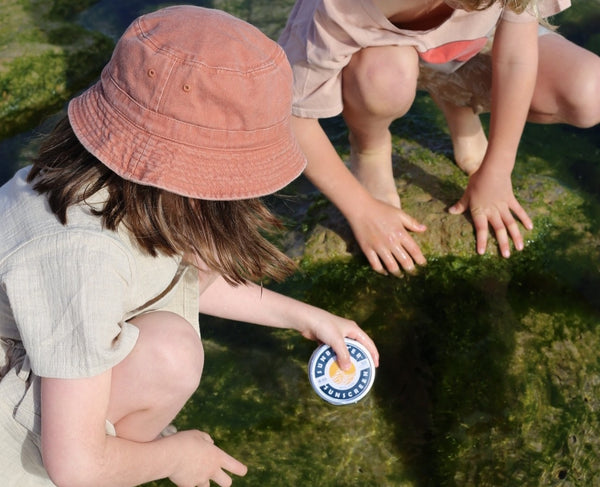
point(187, 88)
point(151, 73)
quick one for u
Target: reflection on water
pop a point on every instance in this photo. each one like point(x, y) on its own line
point(489, 368)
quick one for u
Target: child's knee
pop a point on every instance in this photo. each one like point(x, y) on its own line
point(383, 78)
point(586, 96)
point(174, 348)
point(576, 95)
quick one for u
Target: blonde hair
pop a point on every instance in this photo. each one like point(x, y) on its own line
point(517, 6)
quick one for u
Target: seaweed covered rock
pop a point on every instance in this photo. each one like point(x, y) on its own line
point(45, 58)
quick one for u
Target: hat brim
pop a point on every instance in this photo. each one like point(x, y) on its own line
point(182, 168)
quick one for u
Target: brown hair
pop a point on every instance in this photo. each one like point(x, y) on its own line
point(515, 5)
point(229, 236)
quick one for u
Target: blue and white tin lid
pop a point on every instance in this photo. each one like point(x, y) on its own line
point(338, 386)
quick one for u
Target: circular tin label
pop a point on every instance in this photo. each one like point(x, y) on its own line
point(338, 386)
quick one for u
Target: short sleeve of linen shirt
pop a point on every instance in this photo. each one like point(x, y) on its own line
point(69, 318)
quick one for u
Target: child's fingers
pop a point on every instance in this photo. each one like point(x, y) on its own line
point(222, 479)
point(234, 466)
point(506, 226)
point(385, 260)
point(364, 339)
point(412, 223)
point(513, 227)
point(458, 208)
point(374, 262)
point(401, 249)
point(515, 234)
point(391, 259)
point(522, 215)
point(342, 354)
point(481, 230)
point(399, 255)
point(383, 236)
point(503, 243)
point(412, 248)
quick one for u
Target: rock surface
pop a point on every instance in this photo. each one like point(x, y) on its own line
point(44, 59)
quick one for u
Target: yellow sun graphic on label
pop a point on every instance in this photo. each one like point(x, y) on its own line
point(341, 377)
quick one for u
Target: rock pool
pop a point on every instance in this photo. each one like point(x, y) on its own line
point(490, 369)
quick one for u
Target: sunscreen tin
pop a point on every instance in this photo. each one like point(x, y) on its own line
point(335, 385)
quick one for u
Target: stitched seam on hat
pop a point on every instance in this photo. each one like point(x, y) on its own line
point(176, 56)
point(162, 91)
point(141, 156)
point(155, 114)
point(267, 66)
point(187, 143)
point(182, 122)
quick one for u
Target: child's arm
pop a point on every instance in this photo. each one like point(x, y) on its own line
point(253, 304)
point(77, 451)
point(380, 229)
point(489, 194)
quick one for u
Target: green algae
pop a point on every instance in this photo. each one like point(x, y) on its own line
point(45, 61)
point(489, 367)
point(580, 24)
point(268, 16)
point(47, 58)
point(485, 380)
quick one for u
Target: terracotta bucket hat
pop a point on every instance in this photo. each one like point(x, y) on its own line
point(196, 102)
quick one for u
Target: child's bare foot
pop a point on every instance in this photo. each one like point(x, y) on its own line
point(469, 150)
point(468, 138)
point(373, 168)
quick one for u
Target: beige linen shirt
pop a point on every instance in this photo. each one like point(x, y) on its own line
point(321, 36)
point(66, 293)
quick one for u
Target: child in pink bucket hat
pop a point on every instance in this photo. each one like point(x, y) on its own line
point(140, 211)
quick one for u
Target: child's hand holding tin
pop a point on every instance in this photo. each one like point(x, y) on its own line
point(338, 386)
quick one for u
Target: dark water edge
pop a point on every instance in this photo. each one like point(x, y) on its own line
point(489, 372)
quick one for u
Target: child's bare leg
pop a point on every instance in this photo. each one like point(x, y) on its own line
point(379, 86)
point(568, 84)
point(469, 142)
point(151, 385)
point(374, 174)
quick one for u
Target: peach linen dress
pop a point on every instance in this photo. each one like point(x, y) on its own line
point(321, 36)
